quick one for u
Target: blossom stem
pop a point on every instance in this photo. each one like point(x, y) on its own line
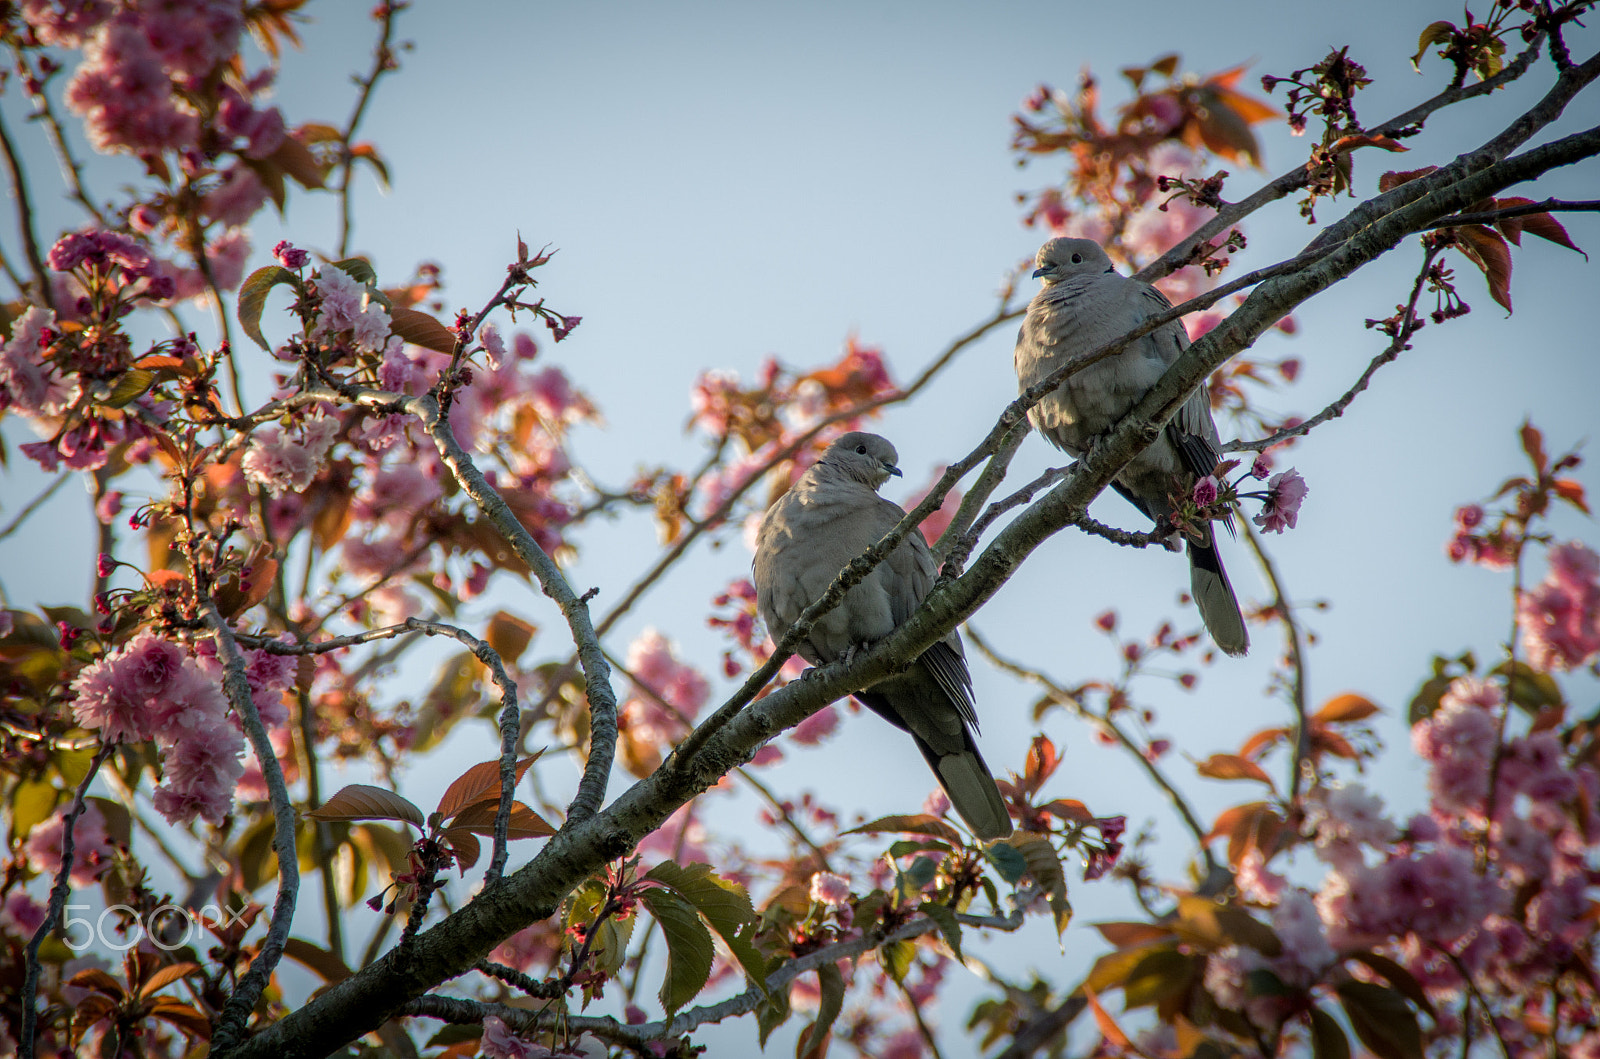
point(1297, 662)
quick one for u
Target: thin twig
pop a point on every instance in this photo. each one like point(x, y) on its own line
point(1066, 699)
point(236, 1012)
point(1410, 323)
point(383, 61)
point(1492, 216)
point(30, 243)
point(453, 1009)
point(510, 730)
point(36, 503)
point(58, 900)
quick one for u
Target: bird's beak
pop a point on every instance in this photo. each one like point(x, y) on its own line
point(1041, 270)
point(893, 470)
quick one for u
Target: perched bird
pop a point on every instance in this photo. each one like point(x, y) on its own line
point(829, 517)
point(1084, 303)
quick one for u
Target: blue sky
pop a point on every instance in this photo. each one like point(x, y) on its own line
point(727, 182)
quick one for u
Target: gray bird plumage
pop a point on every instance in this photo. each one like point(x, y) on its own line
point(1084, 303)
point(829, 517)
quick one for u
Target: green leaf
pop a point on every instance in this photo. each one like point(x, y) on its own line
point(1530, 689)
point(723, 904)
point(772, 1013)
point(358, 269)
point(813, 1042)
point(1203, 922)
point(134, 383)
point(921, 872)
point(1008, 861)
point(32, 803)
point(253, 298)
point(949, 926)
point(1398, 977)
point(1382, 1020)
point(1327, 1038)
point(897, 957)
point(1045, 867)
point(1437, 32)
point(689, 950)
point(1161, 974)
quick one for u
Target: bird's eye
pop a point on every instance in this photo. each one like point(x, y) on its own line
point(862, 449)
point(1077, 259)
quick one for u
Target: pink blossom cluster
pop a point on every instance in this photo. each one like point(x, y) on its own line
point(1488, 549)
point(287, 459)
point(1560, 617)
point(151, 688)
point(91, 847)
point(667, 694)
point(28, 382)
point(347, 306)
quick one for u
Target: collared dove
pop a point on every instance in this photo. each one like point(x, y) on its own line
point(830, 516)
point(1084, 303)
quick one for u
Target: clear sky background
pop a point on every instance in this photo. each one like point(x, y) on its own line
point(728, 182)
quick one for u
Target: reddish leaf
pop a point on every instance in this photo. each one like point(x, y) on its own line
point(1533, 445)
point(1382, 1020)
point(1232, 767)
point(1571, 492)
point(99, 981)
point(1390, 181)
point(420, 329)
point(361, 801)
point(1069, 809)
point(920, 824)
point(479, 783)
point(525, 823)
point(509, 635)
point(1041, 762)
point(1326, 741)
point(1262, 740)
point(464, 844)
point(1327, 1038)
point(1350, 143)
point(1252, 826)
point(87, 1012)
point(327, 966)
point(1344, 708)
point(1128, 935)
point(165, 977)
point(1487, 249)
point(1548, 228)
point(294, 159)
point(184, 1016)
point(1204, 922)
point(1108, 1025)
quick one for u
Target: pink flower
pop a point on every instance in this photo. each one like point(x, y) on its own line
point(103, 701)
point(1256, 882)
point(680, 837)
point(555, 400)
point(830, 889)
point(1458, 743)
point(937, 803)
point(1560, 617)
point(817, 727)
point(768, 754)
point(370, 330)
point(1306, 952)
point(1285, 492)
point(651, 659)
point(1205, 491)
point(27, 382)
point(64, 23)
point(1262, 467)
point(1227, 973)
point(290, 257)
point(287, 460)
point(200, 772)
point(237, 198)
point(1344, 819)
point(494, 347)
point(90, 846)
point(342, 300)
point(22, 915)
point(498, 1042)
point(1469, 517)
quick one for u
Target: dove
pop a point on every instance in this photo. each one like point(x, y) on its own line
point(830, 516)
point(1084, 303)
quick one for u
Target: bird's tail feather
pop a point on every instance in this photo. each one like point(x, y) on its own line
point(970, 785)
point(1213, 594)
